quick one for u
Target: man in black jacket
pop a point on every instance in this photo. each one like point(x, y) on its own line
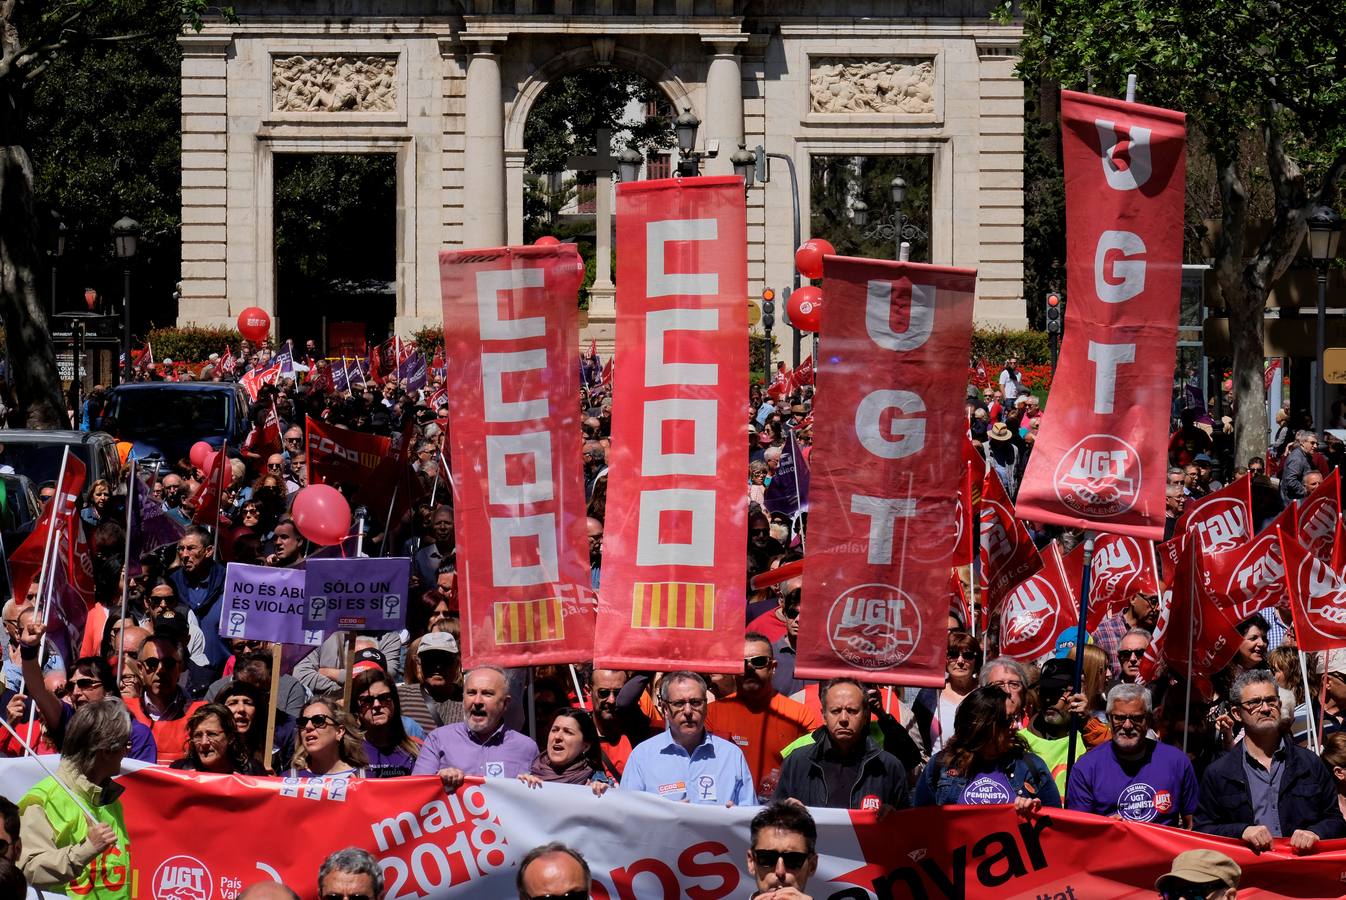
point(844, 768)
point(1267, 787)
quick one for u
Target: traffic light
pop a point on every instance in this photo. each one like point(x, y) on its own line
point(1055, 310)
point(768, 308)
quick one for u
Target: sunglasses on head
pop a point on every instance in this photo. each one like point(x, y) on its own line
point(317, 720)
point(794, 859)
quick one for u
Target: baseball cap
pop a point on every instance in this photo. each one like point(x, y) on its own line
point(1057, 675)
point(1203, 458)
point(369, 658)
point(1202, 867)
point(437, 640)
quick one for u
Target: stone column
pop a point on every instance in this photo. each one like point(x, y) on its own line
point(724, 105)
point(484, 157)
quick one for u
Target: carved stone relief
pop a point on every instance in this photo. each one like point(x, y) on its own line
point(334, 84)
point(891, 86)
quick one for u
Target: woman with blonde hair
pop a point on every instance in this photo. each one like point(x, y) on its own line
point(1095, 687)
point(329, 742)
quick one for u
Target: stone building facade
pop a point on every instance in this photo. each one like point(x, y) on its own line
point(447, 87)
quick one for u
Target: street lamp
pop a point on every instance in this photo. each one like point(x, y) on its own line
point(1324, 239)
point(760, 158)
point(126, 235)
point(896, 227)
point(685, 126)
point(628, 165)
point(745, 163)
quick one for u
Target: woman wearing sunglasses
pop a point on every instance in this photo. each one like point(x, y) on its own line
point(214, 744)
point(329, 742)
point(935, 710)
point(985, 761)
point(570, 755)
point(390, 750)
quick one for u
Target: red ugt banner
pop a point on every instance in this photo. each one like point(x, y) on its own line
point(886, 469)
point(1221, 520)
point(673, 592)
point(1317, 598)
point(1101, 456)
point(510, 326)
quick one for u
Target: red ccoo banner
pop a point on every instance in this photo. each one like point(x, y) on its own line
point(511, 328)
point(886, 469)
point(673, 592)
point(1101, 455)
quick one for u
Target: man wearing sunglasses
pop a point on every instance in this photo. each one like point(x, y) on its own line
point(1200, 875)
point(1141, 611)
point(1133, 776)
point(163, 708)
point(783, 852)
point(553, 872)
point(620, 728)
point(1267, 787)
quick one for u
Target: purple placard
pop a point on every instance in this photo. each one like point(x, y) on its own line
point(265, 604)
point(357, 594)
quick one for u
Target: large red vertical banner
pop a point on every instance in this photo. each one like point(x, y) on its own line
point(1101, 454)
point(510, 329)
point(673, 592)
point(887, 464)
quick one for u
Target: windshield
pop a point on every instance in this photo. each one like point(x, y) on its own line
point(147, 414)
point(40, 462)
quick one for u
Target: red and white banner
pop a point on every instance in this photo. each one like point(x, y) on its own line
point(1101, 454)
point(886, 467)
point(1220, 520)
point(1247, 578)
point(673, 594)
point(1008, 554)
point(1038, 610)
point(1196, 621)
point(1317, 598)
point(511, 326)
point(1122, 566)
point(1317, 517)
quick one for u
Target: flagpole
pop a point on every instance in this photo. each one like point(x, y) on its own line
point(1314, 744)
point(39, 608)
point(1080, 637)
point(126, 564)
point(1191, 648)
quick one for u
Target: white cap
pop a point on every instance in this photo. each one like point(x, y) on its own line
point(437, 640)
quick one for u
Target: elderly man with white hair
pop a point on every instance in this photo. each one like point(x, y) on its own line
point(1134, 776)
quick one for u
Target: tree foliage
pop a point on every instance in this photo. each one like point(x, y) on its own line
point(838, 182)
point(1270, 77)
point(569, 112)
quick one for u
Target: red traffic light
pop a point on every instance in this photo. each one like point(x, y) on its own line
point(768, 294)
point(1053, 299)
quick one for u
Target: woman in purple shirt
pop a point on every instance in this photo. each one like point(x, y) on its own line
point(390, 750)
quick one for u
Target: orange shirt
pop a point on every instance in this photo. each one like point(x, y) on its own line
point(761, 735)
point(170, 735)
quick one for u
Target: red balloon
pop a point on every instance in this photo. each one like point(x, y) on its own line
point(806, 307)
point(254, 324)
point(809, 257)
point(199, 452)
point(212, 459)
point(321, 514)
point(545, 241)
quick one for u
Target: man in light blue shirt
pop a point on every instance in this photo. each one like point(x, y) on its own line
point(686, 762)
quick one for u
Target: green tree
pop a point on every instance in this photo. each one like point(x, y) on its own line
point(36, 38)
point(569, 112)
point(837, 183)
point(1265, 77)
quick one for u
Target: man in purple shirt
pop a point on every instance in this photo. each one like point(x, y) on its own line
point(480, 745)
point(1133, 776)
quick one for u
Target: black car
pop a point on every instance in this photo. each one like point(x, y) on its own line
point(37, 454)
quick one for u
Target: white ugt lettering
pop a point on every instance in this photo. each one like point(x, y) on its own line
point(883, 513)
point(1139, 166)
point(905, 437)
point(662, 283)
point(1106, 359)
point(1131, 272)
point(879, 322)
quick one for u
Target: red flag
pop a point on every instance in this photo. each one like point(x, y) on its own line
point(606, 380)
point(1101, 455)
point(1317, 598)
point(1246, 578)
point(965, 534)
point(885, 477)
point(263, 441)
point(1121, 567)
point(1008, 554)
point(1338, 561)
point(252, 381)
point(1196, 621)
point(1221, 520)
point(208, 496)
point(958, 600)
point(1318, 515)
point(673, 591)
point(803, 374)
point(227, 362)
point(367, 467)
point(1037, 611)
point(60, 516)
point(511, 325)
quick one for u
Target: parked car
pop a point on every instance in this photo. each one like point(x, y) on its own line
point(19, 509)
point(165, 419)
point(37, 454)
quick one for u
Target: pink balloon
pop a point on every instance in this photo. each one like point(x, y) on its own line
point(254, 324)
point(809, 257)
point(211, 461)
point(321, 514)
point(546, 241)
point(199, 452)
point(806, 307)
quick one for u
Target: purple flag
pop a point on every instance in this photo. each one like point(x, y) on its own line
point(788, 491)
point(151, 527)
point(265, 604)
point(357, 594)
point(413, 370)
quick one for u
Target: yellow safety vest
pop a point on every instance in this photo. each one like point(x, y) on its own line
point(108, 877)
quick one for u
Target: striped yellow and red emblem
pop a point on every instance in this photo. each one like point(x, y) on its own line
point(526, 621)
point(677, 604)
